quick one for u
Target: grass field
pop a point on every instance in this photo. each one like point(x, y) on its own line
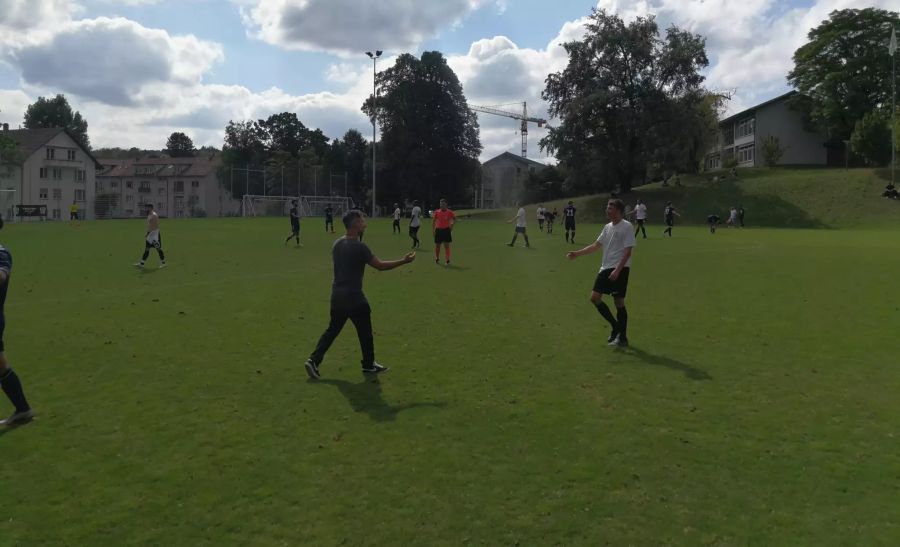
point(758, 405)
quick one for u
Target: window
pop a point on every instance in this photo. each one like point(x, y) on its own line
point(70, 155)
point(179, 186)
point(57, 193)
point(57, 173)
point(79, 175)
point(79, 195)
point(113, 184)
point(51, 153)
point(129, 184)
point(746, 127)
point(179, 214)
point(728, 135)
point(98, 186)
point(195, 184)
point(129, 198)
point(745, 153)
point(713, 162)
point(129, 212)
point(43, 193)
point(144, 188)
point(162, 191)
point(179, 202)
point(57, 214)
point(43, 172)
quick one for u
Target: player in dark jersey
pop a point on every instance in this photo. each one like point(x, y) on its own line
point(569, 218)
point(350, 257)
point(10, 383)
point(295, 223)
point(713, 221)
point(670, 214)
point(329, 219)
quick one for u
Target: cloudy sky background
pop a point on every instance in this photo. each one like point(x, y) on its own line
point(141, 69)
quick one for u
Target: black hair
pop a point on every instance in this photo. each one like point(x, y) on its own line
point(351, 216)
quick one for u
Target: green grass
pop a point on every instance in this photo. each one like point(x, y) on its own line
point(758, 404)
point(779, 198)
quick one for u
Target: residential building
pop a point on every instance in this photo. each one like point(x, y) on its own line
point(503, 180)
point(177, 187)
point(54, 171)
point(741, 137)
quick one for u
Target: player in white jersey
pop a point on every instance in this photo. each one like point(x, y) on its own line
point(541, 214)
point(415, 221)
point(640, 218)
point(395, 228)
point(617, 241)
point(519, 219)
point(153, 239)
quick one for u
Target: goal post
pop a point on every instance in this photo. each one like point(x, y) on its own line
point(8, 205)
point(310, 206)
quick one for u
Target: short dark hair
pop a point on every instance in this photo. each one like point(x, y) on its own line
point(351, 216)
point(618, 204)
point(150, 205)
point(293, 202)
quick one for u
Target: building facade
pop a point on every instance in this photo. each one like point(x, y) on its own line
point(51, 169)
point(741, 136)
point(503, 180)
point(177, 188)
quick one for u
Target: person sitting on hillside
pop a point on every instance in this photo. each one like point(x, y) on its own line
point(734, 172)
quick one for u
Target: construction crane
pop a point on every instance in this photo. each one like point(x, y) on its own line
point(523, 117)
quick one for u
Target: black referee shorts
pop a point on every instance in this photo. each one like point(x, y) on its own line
point(617, 288)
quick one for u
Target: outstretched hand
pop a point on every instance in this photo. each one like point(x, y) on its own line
point(409, 257)
point(571, 255)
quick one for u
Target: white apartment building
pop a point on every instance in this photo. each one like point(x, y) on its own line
point(55, 171)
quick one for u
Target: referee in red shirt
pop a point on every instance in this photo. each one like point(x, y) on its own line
point(442, 226)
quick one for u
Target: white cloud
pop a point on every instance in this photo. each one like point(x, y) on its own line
point(350, 26)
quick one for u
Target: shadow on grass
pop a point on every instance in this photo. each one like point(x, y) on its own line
point(691, 372)
point(457, 268)
point(10, 428)
point(366, 397)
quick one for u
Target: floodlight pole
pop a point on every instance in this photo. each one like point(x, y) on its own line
point(893, 106)
point(374, 56)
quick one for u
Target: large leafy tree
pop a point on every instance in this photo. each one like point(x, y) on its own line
point(283, 132)
point(429, 135)
point(844, 70)
point(624, 93)
point(179, 145)
point(56, 112)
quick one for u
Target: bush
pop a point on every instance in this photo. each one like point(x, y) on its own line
point(871, 139)
point(730, 163)
point(772, 151)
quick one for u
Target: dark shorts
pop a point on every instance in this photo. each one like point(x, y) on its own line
point(73, 216)
point(617, 288)
point(329, 220)
point(670, 222)
point(2, 328)
point(520, 229)
point(295, 227)
point(570, 224)
point(413, 230)
point(443, 235)
point(641, 221)
point(396, 222)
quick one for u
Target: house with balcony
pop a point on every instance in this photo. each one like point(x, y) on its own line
point(50, 169)
point(177, 187)
point(741, 135)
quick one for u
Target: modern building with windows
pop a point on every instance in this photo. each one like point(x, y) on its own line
point(177, 187)
point(50, 169)
point(741, 136)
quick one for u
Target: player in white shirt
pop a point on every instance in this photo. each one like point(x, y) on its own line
point(617, 241)
point(519, 219)
point(415, 220)
point(640, 217)
point(152, 240)
point(541, 212)
point(396, 227)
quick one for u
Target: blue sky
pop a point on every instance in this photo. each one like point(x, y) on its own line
point(140, 69)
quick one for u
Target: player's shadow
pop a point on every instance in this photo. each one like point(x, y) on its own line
point(10, 428)
point(366, 397)
point(690, 371)
point(457, 268)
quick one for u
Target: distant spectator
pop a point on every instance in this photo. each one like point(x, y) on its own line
point(713, 221)
point(733, 217)
point(890, 192)
point(741, 215)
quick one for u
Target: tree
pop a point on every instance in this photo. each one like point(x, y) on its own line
point(624, 94)
point(179, 145)
point(772, 151)
point(871, 139)
point(283, 132)
point(429, 133)
point(845, 69)
point(56, 112)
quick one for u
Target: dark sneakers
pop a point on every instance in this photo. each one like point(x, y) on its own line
point(18, 418)
point(375, 368)
point(312, 369)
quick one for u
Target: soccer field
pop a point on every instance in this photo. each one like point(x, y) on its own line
point(757, 405)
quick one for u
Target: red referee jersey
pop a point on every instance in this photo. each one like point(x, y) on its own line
point(442, 218)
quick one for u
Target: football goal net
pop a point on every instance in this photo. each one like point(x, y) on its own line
point(310, 206)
